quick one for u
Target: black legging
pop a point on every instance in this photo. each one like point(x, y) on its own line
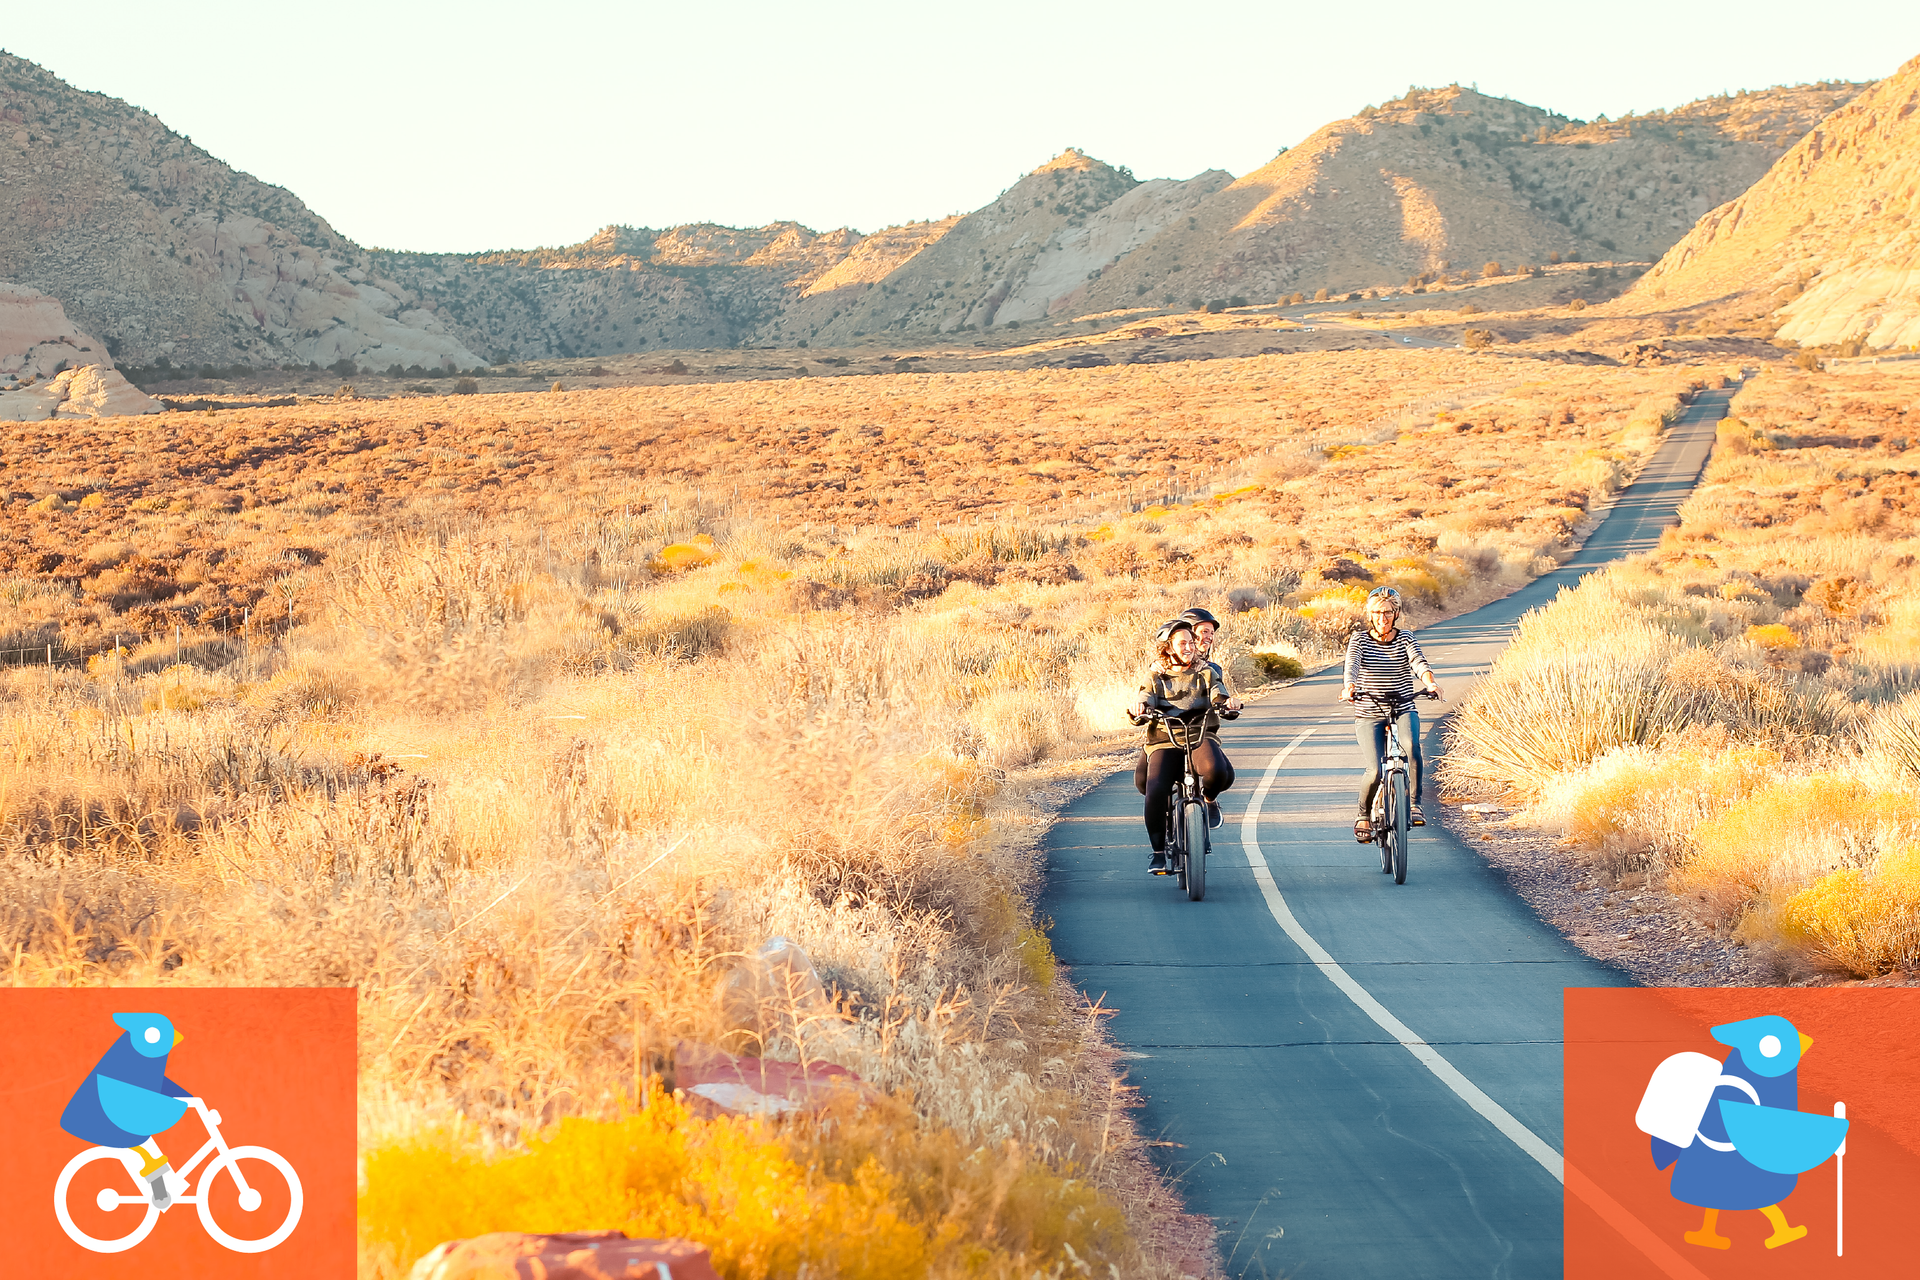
point(1158, 772)
point(1372, 737)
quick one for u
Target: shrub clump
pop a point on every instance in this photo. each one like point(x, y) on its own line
point(865, 1192)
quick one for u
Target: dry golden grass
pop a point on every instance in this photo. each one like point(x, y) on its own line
point(1735, 713)
point(539, 757)
point(200, 519)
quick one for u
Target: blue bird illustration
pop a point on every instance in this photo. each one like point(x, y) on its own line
point(127, 1098)
point(1733, 1130)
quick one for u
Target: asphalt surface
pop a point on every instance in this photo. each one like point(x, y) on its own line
point(1356, 1078)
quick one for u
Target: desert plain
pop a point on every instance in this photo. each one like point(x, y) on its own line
point(558, 702)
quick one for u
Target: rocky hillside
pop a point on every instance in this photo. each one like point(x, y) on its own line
point(1827, 243)
point(168, 254)
point(636, 289)
point(1450, 179)
point(1030, 255)
point(165, 252)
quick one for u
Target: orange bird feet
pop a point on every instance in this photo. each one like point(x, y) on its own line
point(1782, 1233)
point(1706, 1237)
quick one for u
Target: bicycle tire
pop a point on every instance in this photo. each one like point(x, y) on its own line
point(229, 1163)
point(1197, 839)
point(1401, 817)
point(94, 1244)
point(1176, 850)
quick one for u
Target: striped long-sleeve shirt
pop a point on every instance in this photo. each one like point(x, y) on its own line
point(1391, 668)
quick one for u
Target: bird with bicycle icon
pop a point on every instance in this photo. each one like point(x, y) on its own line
point(180, 1128)
point(123, 1105)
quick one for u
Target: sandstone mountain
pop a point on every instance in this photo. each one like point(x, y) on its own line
point(1450, 179)
point(1828, 241)
point(1029, 255)
point(164, 251)
point(168, 254)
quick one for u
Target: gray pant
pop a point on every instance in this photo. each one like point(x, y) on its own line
point(1372, 737)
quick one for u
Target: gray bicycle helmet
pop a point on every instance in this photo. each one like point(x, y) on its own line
point(1169, 627)
point(1389, 595)
point(1197, 615)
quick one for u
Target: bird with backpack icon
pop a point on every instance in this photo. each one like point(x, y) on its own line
point(1732, 1130)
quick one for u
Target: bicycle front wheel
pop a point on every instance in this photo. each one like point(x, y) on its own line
point(1194, 823)
point(1398, 804)
point(260, 1189)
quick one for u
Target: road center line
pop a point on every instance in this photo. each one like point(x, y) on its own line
point(1449, 1075)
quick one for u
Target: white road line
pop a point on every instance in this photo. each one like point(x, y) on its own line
point(1449, 1075)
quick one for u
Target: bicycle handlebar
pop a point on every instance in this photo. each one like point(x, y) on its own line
point(1164, 713)
point(1394, 705)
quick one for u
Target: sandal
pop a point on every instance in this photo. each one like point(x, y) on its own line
point(1362, 831)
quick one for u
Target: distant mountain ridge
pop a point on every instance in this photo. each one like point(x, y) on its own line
point(163, 251)
point(166, 252)
point(1828, 242)
point(1450, 179)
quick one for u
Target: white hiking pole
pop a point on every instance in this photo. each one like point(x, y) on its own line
point(1839, 1187)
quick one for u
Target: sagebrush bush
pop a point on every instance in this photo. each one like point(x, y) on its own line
point(863, 1193)
point(1859, 922)
point(1752, 686)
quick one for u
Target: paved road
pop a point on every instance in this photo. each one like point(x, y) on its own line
point(1362, 1078)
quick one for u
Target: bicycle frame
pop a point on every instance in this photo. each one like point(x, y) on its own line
point(1185, 731)
point(216, 1142)
point(1391, 797)
point(214, 1156)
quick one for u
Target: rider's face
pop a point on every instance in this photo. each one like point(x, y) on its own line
point(1183, 646)
point(1380, 618)
point(1203, 632)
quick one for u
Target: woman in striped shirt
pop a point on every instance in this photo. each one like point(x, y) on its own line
point(1385, 661)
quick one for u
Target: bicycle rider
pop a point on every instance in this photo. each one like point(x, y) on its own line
point(1179, 680)
point(1205, 627)
point(1385, 661)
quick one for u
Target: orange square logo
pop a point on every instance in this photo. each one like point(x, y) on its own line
point(1741, 1131)
point(178, 1132)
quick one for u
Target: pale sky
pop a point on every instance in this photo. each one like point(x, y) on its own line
point(488, 124)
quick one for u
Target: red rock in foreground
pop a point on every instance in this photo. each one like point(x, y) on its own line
point(571, 1255)
point(712, 1083)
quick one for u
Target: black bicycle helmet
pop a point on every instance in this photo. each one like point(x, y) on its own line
point(1197, 615)
point(1169, 627)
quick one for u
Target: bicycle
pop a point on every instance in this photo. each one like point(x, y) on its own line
point(1392, 799)
point(1189, 838)
point(250, 1196)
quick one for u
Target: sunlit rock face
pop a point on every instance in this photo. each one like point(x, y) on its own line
point(1828, 242)
point(164, 251)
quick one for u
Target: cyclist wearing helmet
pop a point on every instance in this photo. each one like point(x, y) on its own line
point(1205, 627)
point(1178, 680)
point(1384, 660)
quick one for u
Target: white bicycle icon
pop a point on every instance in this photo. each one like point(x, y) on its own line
point(264, 1164)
